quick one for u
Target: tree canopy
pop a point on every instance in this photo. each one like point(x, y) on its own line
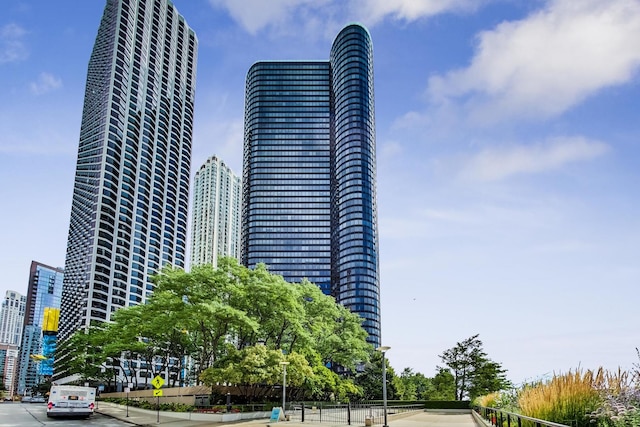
point(473, 372)
point(235, 325)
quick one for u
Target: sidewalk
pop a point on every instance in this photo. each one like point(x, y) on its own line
point(143, 417)
point(146, 418)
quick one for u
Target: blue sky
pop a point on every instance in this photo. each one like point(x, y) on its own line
point(508, 146)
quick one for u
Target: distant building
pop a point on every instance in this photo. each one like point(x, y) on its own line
point(3, 357)
point(130, 198)
point(309, 176)
point(8, 367)
point(40, 326)
point(12, 318)
point(11, 321)
point(215, 222)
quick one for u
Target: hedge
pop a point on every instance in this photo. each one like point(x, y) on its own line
point(447, 404)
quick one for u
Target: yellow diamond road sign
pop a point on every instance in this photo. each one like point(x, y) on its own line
point(157, 381)
point(157, 393)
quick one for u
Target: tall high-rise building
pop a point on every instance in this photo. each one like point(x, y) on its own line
point(215, 222)
point(38, 341)
point(131, 189)
point(309, 176)
point(11, 320)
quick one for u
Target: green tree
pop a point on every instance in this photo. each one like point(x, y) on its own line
point(223, 319)
point(489, 377)
point(415, 386)
point(334, 332)
point(256, 370)
point(444, 386)
point(474, 373)
point(369, 379)
point(256, 307)
point(424, 386)
point(86, 356)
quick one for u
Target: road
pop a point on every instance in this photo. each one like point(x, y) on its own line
point(35, 414)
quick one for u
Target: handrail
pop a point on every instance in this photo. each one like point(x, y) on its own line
point(498, 419)
point(345, 413)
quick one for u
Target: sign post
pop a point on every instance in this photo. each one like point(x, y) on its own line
point(157, 384)
point(127, 390)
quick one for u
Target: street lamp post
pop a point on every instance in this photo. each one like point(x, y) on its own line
point(284, 384)
point(383, 349)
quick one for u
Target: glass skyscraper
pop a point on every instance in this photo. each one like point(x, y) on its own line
point(309, 194)
point(38, 341)
point(215, 223)
point(131, 189)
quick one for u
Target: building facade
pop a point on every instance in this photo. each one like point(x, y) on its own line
point(8, 368)
point(215, 221)
point(309, 175)
point(38, 339)
point(12, 314)
point(131, 189)
point(12, 318)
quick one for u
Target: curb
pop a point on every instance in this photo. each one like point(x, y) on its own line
point(119, 419)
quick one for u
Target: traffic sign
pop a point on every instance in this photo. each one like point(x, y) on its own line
point(157, 393)
point(157, 381)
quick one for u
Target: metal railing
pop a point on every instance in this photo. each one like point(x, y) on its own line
point(500, 418)
point(345, 413)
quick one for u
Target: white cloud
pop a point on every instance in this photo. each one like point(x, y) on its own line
point(12, 47)
point(498, 163)
point(255, 15)
point(374, 11)
point(548, 62)
point(46, 83)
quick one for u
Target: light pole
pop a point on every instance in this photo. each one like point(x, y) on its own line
point(284, 384)
point(383, 349)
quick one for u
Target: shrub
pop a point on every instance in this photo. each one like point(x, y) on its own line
point(147, 405)
point(176, 407)
point(620, 402)
point(447, 404)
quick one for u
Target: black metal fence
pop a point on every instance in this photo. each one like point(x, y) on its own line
point(500, 418)
point(345, 413)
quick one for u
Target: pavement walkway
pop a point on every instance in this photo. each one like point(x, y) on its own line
point(146, 418)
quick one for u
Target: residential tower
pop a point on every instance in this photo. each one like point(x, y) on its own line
point(131, 189)
point(309, 175)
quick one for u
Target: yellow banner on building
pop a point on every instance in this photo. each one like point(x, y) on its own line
point(51, 319)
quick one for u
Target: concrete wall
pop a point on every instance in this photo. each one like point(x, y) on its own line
point(185, 395)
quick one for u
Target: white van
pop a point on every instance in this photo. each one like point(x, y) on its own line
point(69, 400)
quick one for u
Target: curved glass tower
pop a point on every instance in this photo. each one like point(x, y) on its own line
point(309, 198)
point(354, 234)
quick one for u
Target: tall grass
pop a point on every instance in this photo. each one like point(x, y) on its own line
point(568, 398)
point(488, 400)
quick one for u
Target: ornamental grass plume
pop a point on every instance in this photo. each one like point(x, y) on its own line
point(488, 400)
point(567, 398)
